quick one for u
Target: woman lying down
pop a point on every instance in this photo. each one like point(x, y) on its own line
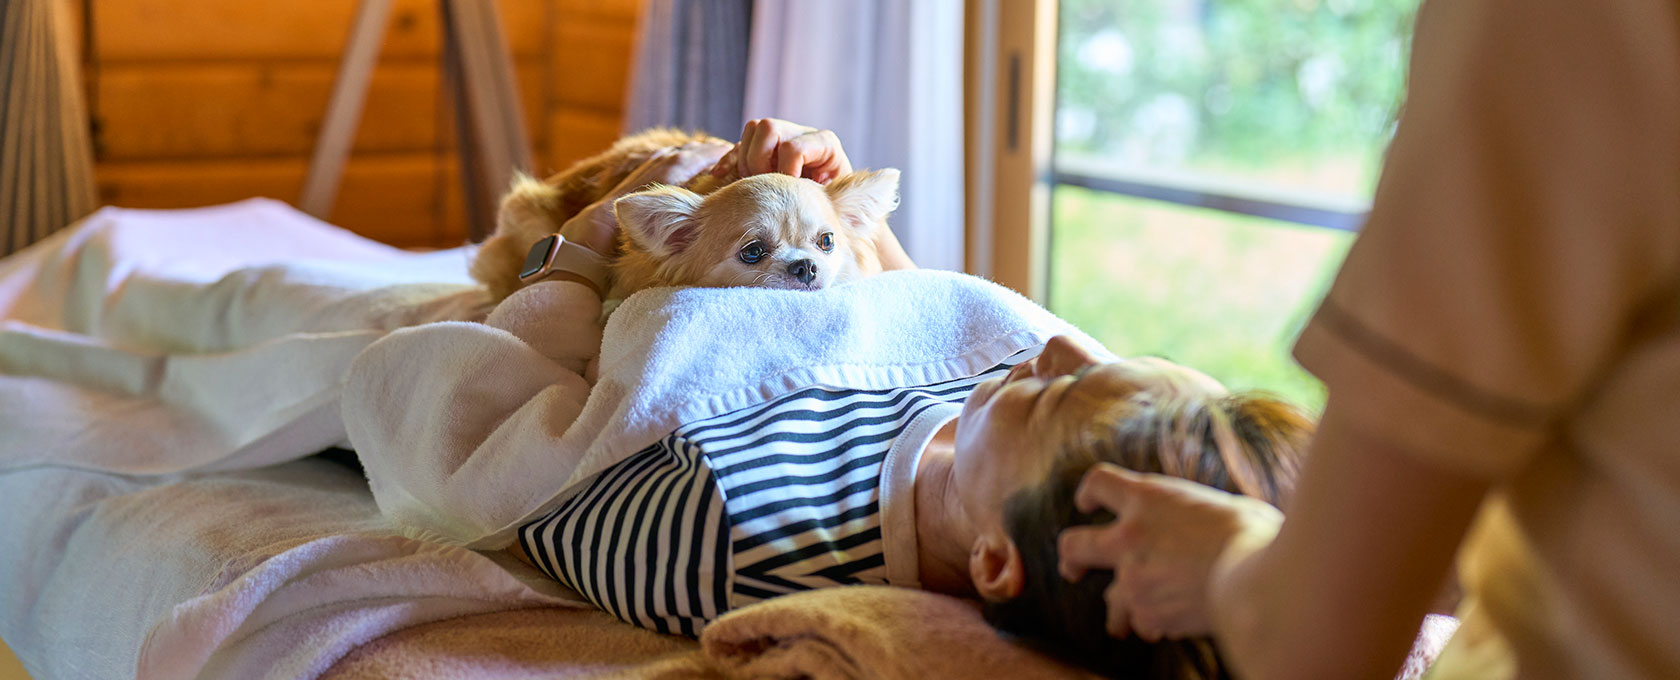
point(914, 428)
point(799, 493)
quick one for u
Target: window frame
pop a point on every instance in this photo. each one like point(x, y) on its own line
point(1013, 168)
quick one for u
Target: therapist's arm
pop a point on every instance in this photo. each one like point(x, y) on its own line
point(1340, 593)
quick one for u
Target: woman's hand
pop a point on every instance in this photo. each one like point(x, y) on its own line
point(1169, 537)
point(775, 145)
point(596, 227)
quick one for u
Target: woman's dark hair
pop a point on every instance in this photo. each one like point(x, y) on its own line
point(1244, 443)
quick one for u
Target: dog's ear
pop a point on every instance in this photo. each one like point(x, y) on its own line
point(865, 198)
point(660, 219)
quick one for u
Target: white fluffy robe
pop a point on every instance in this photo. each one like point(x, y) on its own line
point(468, 431)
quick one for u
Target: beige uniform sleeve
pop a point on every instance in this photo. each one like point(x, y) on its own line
point(1525, 221)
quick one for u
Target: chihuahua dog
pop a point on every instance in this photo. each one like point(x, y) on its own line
point(767, 230)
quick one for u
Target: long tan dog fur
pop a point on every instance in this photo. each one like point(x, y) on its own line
point(850, 208)
point(536, 208)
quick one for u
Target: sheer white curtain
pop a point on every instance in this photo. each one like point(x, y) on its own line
point(886, 76)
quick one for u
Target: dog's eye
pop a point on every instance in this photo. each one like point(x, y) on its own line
point(753, 252)
point(826, 241)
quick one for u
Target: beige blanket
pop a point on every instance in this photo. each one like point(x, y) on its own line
point(859, 632)
point(555, 643)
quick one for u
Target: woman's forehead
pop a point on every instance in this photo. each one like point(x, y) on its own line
point(1156, 374)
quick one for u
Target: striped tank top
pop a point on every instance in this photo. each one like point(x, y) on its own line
point(810, 490)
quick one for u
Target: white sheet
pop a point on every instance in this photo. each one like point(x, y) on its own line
point(148, 342)
point(270, 573)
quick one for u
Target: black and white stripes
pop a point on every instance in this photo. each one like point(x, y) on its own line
point(647, 540)
point(769, 500)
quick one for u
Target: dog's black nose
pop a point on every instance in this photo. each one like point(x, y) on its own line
point(804, 270)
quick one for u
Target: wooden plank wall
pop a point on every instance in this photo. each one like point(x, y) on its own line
point(196, 102)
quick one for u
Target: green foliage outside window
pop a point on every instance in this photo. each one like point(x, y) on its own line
point(1298, 95)
point(1291, 92)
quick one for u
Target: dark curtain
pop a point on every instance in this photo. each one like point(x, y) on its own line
point(46, 162)
point(690, 67)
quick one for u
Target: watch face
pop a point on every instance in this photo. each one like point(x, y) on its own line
point(541, 251)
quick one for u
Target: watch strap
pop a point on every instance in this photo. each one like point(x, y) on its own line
point(554, 253)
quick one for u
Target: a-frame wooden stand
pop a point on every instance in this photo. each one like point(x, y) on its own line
point(478, 72)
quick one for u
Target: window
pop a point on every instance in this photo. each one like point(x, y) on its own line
point(1210, 161)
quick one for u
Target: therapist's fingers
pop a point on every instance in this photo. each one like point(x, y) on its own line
point(1105, 485)
point(1118, 620)
point(1153, 600)
point(1138, 600)
point(1163, 605)
point(1097, 546)
point(1087, 547)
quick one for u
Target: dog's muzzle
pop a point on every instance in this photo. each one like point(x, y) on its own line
point(804, 270)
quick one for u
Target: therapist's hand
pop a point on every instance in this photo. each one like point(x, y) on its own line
point(596, 226)
point(776, 145)
point(1169, 537)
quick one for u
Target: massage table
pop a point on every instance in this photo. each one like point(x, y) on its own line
point(175, 505)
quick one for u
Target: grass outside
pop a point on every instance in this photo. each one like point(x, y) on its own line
point(1221, 292)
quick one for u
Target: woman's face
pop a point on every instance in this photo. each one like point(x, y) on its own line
point(1011, 427)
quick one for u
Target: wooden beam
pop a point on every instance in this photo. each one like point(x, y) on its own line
point(409, 199)
point(344, 111)
point(576, 134)
point(195, 30)
point(611, 10)
point(593, 59)
point(237, 109)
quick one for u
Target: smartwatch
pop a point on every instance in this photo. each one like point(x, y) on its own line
point(553, 253)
